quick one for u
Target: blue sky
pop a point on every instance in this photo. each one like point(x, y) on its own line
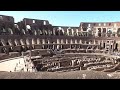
point(66, 18)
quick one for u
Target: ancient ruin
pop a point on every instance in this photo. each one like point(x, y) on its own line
point(90, 46)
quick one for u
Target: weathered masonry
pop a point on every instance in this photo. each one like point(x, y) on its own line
point(40, 34)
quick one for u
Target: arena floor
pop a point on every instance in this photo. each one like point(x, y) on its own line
point(10, 64)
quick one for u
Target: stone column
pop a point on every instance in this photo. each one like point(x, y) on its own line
point(102, 32)
point(106, 32)
point(73, 63)
point(72, 32)
point(59, 64)
point(67, 32)
point(77, 31)
point(94, 41)
point(80, 41)
point(102, 43)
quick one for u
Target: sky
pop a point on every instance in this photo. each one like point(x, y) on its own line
point(66, 18)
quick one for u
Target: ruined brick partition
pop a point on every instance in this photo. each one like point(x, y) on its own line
point(40, 34)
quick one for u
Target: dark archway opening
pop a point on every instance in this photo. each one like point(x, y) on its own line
point(103, 45)
point(116, 47)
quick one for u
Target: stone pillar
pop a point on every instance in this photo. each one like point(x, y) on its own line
point(106, 32)
point(71, 41)
point(116, 35)
point(89, 42)
point(77, 31)
point(75, 41)
point(94, 41)
point(80, 41)
point(118, 45)
point(66, 41)
point(73, 63)
point(96, 32)
point(59, 64)
point(67, 32)
point(102, 43)
point(72, 32)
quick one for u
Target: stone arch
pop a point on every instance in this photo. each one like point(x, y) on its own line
point(10, 30)
point(69, 31)
point(109, 32)
point(49, 32)
point(83, 42)
point(27, 41)
point(4, 49)
point(35, 32)
point(71, 41)
point(4, 31)
point(38, 41)
point(80, 41)
point(16, 42)
point(22, 42)
point(17, 30)
point(33, 41)
point(3, 42)
point(23, 31)
point(63, 31)
point(54, 31)
point(62, 41)
point(38, 32)
point(43, 41)
point(77, 32)
point(76, 41)
point(58, 41)
point(99, 32)
point(41, 32)
point(66, 41)
point(46, 32)
point(16, 26)
point(87, 41)
point(73, 32)
point(48, 41)
point(10, 42)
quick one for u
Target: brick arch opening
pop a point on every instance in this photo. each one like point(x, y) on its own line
point(28, 44)
point(23, 47)
point(33, 43)
point(5, 43)
point(10, 44)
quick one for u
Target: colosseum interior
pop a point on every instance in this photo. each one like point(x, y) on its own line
point(90, 46)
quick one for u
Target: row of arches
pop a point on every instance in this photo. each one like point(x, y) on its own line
point(39, 41)
point(35, 30)
point(108, 32)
